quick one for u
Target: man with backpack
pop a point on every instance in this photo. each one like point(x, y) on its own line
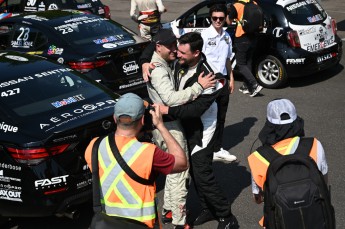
point(249, 21)
point(289, 173)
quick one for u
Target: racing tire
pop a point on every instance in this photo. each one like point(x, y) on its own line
point(270, 72)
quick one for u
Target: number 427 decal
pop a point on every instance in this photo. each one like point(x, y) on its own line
point(10, 92)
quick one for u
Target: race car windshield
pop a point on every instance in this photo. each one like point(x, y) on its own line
point(98, 30)
point(306, 12)
point(45, 91)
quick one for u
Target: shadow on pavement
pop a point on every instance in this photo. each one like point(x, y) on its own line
point(236, 133)
point(233, 178)
point(316, 78)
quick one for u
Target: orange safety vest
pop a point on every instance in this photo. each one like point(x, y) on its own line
point(259, 165)
point(122, 196)
point(240, 11)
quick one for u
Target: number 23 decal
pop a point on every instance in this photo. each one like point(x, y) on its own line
point(24, 35)
point(10, 92)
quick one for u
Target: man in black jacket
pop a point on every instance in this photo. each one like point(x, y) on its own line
point(199, 119)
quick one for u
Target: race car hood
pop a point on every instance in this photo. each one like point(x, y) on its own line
point(315, 37)
point(40, 128)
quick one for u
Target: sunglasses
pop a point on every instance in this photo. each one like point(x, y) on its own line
point(216, 18)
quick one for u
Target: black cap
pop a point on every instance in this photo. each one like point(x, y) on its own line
point(165, 37)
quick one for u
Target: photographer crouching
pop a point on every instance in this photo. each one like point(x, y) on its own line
point(127, 168)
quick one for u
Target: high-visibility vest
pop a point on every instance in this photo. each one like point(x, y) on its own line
point(240, 11)
point(259, 165)
point(120, 195)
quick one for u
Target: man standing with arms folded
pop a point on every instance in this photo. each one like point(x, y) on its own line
point(244, 48)
point(199, 119)
point(218, 50)
point(128, 202)
point(149, 17)
point(161, 89)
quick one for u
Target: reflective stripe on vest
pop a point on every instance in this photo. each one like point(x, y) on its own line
point(113, 181)
point(239, 30)
point(279, 149)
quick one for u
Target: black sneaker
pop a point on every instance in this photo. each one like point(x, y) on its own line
point(256, 89)
point(244, 89)
point(228, 223)
point(204, 217)
point(166, 216)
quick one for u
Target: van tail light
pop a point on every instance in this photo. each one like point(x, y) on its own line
point(293, 39)
point(87, 66)
point(334, 26)
point(34, 156)
point(107, 13)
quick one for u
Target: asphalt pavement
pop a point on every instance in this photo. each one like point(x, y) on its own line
point(318, 98)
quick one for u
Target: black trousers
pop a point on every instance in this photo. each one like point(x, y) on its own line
point(209, 191)
point(223, 103)
point(244, 58)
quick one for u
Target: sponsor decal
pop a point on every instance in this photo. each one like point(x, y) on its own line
point(7, 179)
point(310, 30)
point(53, 6)
point(7, 93)
point(326, 57)
point(17, 58)
point(41, 7)
point(52, 72)
point(52, 182)
point(108, 39)
point(22, 39)
point(69, 100)
point(83, 6)
point(35, 53)
point(278, 32)
point(54, 50)
point(130, 67)
point(5, 127)
point(10, 195)
point(16, 81)
point(295, 61)
point(298, 4)
point(83, 111)
point(37, 75)
point(315, 18)
point(131, 84)
point(212, 42)
point(11, 167)
point(10, 187)
point(65, 138)
point(84, 183)
point(321, 45)
point(60, 60)
point(85, 167)
point(109, 45)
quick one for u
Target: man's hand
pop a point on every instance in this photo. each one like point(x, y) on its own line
point(231, 83)
point(164, 109)
point(207, 81)
point(157, 119)
point(146, 70)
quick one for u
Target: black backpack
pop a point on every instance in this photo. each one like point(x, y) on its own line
point(295, 193)
point(253, 18)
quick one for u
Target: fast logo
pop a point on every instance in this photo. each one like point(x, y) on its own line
point(55, 181)
point(69, 100)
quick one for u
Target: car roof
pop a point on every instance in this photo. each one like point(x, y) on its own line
point(50, 17)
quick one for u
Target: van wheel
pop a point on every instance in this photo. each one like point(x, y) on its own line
point(270, 72)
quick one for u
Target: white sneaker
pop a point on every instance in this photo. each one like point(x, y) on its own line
point(223, 155)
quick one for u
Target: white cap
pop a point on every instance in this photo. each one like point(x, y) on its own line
point(278, 107)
